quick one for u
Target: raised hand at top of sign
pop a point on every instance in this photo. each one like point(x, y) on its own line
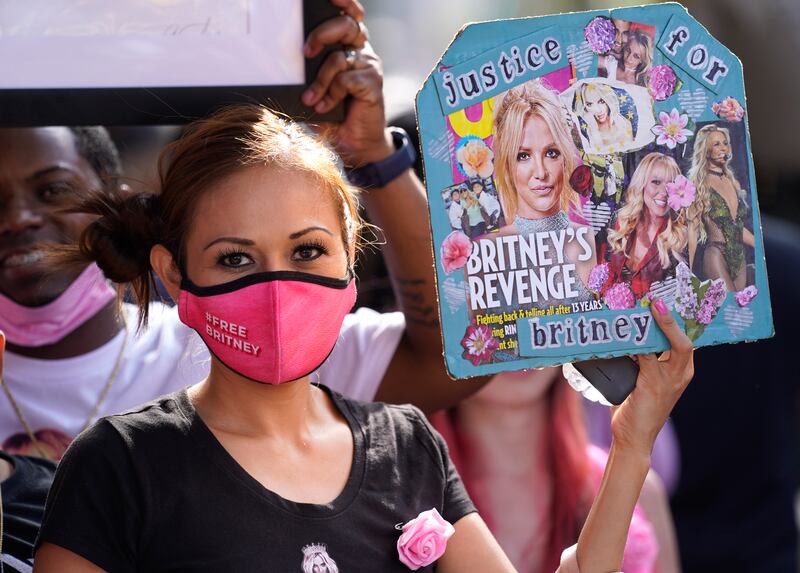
point(354, 75)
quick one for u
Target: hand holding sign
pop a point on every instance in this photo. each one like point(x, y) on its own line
point(352, 75)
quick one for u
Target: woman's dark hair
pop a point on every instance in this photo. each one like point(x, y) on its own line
point(128, 225)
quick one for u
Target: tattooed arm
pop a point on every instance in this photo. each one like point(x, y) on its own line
point(416, 373)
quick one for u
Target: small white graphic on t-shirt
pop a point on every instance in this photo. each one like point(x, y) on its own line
point(317, 560)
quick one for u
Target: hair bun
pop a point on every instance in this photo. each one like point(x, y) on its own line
point(120, 239)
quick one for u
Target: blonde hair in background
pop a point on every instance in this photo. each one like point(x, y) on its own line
point(698, 173)
point(674, 238)
point(511, 110)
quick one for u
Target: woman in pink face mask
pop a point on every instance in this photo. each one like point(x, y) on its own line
point(254, 234)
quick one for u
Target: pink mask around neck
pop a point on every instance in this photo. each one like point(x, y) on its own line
point(270, 327)
point(49, 323)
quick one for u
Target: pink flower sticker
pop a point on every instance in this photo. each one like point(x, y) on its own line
point(661, 82)
point(619, 296)
point(455, 251)
point(728, 109)
point(746, 296)
point(424, 539)
point(680, 193)
point(672, 129)
point(479, 344)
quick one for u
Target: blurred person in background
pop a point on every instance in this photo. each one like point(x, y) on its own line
point(731, 516)
point(521, 449)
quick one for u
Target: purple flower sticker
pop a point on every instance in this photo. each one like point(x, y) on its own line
point(697, 313)
point(598, 277)
point(661, 82)
point(619, 296)
point(600, 34)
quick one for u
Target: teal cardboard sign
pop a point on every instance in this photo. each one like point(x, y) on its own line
point(687, 45)
point(579, 167)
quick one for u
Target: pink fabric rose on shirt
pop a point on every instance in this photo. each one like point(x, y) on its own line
point(424, 539)
point(455, 251)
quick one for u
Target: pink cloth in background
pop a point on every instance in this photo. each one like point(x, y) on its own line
point(665, 459)
point(641, 549)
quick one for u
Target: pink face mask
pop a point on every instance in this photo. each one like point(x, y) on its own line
point(49, 323)
point(270, 327)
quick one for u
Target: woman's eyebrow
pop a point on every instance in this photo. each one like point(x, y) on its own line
point(50, 169)
point(298, 234)
point(235, 240)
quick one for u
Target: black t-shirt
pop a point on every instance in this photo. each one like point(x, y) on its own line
point(24, 495)
point(153, 490)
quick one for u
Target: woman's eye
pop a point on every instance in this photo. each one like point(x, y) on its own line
point(305, 253)
point(552, 154)
point(234, 260)
point(52, 191)
point(523, 156)
point(656, 182)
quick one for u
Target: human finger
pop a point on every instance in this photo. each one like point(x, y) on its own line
point(362, 84)
point(677, 338)
point(344, 30)
point(335, 63)
point(647, 364)
point(352, 8)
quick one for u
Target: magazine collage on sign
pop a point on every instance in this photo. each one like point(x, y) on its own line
point(578, 167)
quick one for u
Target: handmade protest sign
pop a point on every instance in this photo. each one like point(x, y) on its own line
point(579, 166)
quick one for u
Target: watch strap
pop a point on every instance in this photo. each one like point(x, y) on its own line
point(381, 173)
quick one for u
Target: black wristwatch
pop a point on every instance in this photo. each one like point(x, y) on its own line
point(381, 173)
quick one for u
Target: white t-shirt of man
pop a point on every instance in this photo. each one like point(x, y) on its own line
point(454, 212)
point(57, 396)
point(489, 203)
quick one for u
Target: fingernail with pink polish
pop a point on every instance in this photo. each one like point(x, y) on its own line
point(660, 306)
